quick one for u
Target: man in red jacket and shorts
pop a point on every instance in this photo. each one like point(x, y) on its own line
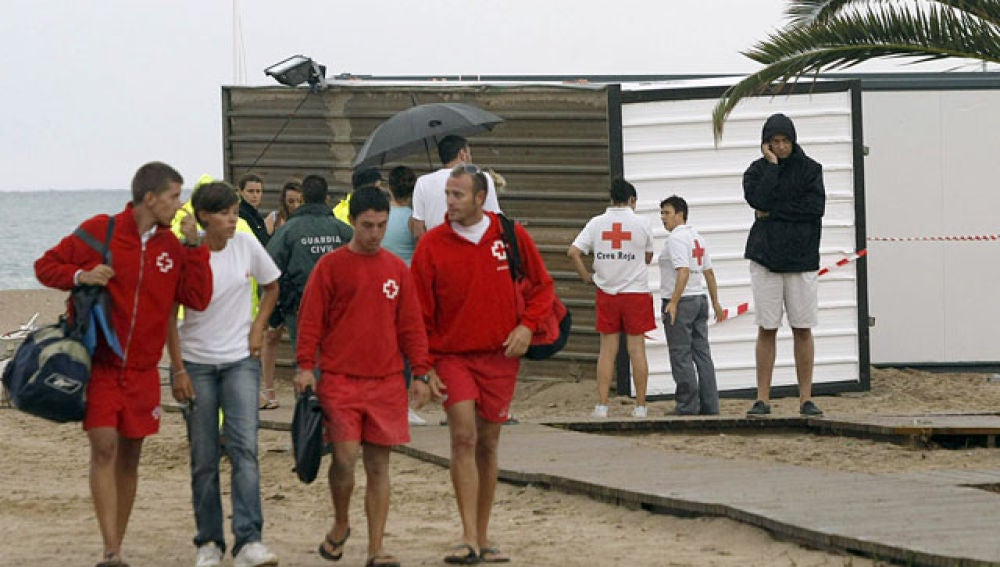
point(360, 311)
point(477, 334)
point(149, 271)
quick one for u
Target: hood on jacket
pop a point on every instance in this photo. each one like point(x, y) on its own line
point(778, 124)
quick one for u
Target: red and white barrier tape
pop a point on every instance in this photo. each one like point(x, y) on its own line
point(744, 308)
point(843, 262)
point(958, 238)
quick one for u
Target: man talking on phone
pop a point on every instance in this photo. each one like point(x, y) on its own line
point(785, 189)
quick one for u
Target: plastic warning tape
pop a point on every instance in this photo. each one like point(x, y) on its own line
point(959, 238)
point(744, 308)
point(727, 313)
point(843, 261)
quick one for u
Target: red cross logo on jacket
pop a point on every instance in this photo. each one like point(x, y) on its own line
point(390, 288)
point(498, 250)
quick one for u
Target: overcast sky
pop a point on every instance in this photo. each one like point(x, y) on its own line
point(92, 89)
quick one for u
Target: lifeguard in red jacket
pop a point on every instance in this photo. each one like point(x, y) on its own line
point(150, 270)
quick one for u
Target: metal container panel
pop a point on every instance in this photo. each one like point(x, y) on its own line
point(932, 171)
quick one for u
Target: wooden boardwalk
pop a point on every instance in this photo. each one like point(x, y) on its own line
point(919, 520)
point(932, 518)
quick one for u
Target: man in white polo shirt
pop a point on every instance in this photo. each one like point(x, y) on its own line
point(622, 243)
point(685, 269)
point(429, 203)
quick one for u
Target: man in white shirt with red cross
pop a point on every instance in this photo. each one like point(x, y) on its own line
point(622, 244)
point(685, 270)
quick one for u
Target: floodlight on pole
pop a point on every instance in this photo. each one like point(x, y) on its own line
point(298, 69)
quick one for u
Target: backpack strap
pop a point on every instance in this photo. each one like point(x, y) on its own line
point(513, 251)
point(102, 248)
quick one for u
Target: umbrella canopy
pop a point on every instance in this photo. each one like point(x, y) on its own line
point(419, 128)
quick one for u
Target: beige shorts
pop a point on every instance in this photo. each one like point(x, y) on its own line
point(795, 292)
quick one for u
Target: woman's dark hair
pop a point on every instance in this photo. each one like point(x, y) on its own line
point(214, 197)
point(293, 184)
point(401, 182)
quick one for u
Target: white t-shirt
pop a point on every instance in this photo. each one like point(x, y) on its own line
point(430, 204)
point(220, 333)
point(619, 240)
point(472, 233)
point(685, 248)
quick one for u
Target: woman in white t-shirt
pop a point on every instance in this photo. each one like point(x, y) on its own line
point(215, 363)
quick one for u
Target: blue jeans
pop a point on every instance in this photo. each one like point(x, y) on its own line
point(234, 387)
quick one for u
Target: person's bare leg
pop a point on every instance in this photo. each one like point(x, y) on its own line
point(606, 365)
point(103, 486)
point(805, 353)
point(487, 442)
point(268, 359)
point(636, 345)
point(765, 353)
point(376, 459)
point(126, 481)
point(464, 472)
point(341, 480)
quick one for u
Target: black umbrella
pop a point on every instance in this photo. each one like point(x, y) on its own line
point(307, 435)
point(420, 127)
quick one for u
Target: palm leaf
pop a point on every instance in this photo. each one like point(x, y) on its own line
point(848, 39)
point(804, 13)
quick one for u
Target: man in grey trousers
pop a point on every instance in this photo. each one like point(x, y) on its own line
point(685, 271)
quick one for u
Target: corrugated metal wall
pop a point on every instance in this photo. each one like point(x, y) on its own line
point(668, 149)
point(553, 151)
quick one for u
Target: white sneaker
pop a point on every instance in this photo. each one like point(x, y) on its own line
point(600, 411)
point(639, 411)
point(415, 418)
point(209, 555)
point(255, 554)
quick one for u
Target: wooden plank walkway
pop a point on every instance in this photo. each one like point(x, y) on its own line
point(884, 516)
point(928, 518)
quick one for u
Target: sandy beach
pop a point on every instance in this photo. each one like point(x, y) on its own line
point(49, 520)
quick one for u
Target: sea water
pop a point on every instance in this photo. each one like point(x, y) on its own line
point(31, 222)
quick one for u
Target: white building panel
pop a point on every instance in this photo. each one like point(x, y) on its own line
point(668, 149)
point(932, 170)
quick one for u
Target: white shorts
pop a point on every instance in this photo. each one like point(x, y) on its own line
point(795, 291)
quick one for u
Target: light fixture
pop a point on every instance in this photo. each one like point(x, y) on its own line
point(298, 69)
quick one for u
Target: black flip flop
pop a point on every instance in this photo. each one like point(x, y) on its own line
point(470, 557)
point(382, 561)
point(334, 544)
point(497, 555)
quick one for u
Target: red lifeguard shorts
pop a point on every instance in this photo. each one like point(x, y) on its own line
point(488, 378)
point(629, 313)
point(362, 408)
point(126, 399)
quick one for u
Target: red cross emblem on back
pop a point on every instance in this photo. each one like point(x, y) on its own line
point(616, 235)
point(697, 252)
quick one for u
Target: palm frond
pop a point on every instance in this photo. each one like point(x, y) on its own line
point(848, 39)
point(804, 13)
point(987, 10)
point(801, 13)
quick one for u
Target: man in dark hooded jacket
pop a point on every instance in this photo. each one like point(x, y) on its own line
point(785, 189)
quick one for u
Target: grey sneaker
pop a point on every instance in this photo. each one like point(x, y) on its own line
point(255, 554)
point(209, 555)
point(809, 409)
point(760, 407)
